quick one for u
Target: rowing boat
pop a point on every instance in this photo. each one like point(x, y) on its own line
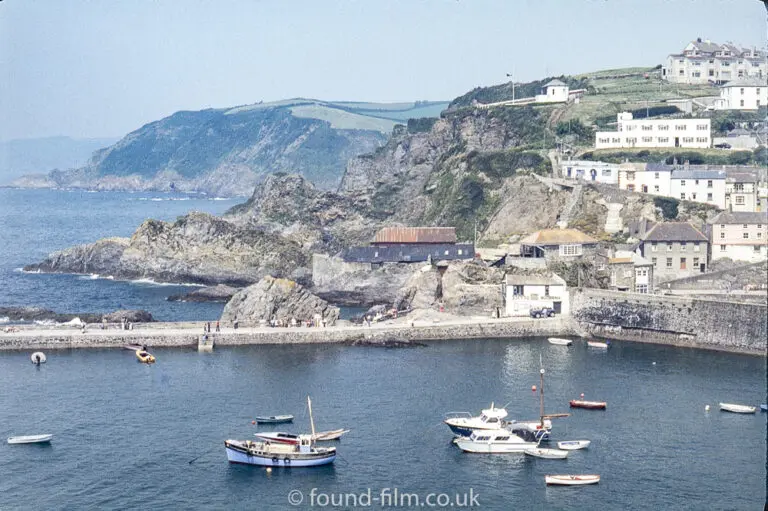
point(572, 445)
point(549, 454)
point(590, 405)
point(730, 407)
point(30, 439)
point(560, 342)
point(572, 480)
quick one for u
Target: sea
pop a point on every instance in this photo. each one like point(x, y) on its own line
point(132, 436)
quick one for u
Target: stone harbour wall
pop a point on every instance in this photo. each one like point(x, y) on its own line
point(719, 325)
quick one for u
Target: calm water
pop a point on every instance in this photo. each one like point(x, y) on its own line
point(34, 223)
point(125, 432)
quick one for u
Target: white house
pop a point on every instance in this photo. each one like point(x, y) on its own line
point(706, 186)
point(703, 62)
point(689, 133)
point(741, 191)
point(739, 236)
point(653, 178)
point(599, 171)
point(743, 94)
point(553, 92)
point(525, 292)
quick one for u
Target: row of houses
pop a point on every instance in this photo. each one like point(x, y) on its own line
point(731, 187)
point(703, 61)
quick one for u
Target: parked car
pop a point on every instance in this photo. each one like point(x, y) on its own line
point(724, 145)
point(542, 312)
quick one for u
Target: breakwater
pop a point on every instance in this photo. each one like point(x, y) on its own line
point(678, 321)
point(189, 334)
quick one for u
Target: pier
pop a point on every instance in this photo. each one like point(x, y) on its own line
point(190, 334)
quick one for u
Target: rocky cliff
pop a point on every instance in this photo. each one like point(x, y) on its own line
point(278, 299)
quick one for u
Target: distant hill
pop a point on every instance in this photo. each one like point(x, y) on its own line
point(36, 155)
point(228, 151)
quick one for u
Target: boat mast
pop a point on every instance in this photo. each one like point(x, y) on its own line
point(311, 420)
point(541, 392)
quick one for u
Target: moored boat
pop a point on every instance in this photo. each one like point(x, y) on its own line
point(596, 344)
point(589, 405)
point(275, 419)
point(764, 408)
point(38, 358)
point(267, 454)
point(573, 445)
point(499, 441)
point(560, 342)
point(733, 408)
point(463, 424)
point(145, 357)
point(548, 454)
point(30, 439)
point(571, 480)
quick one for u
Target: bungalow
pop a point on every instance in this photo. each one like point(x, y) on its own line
point(525, 292)
point(557, 244)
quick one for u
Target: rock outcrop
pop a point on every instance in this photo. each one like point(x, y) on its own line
point(279, 299)
point(129, 316)
point(196, 248)
point(218, 293)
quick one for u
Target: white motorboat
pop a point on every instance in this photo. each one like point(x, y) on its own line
point(30, 439)
point(499, 441)
point(730, 407)
point(560, 342)
point(548, 454)
point(463, 424)
point(600, 345)
point(572, 480)
point(573, 445)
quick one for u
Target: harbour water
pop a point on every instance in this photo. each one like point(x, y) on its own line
point(130, 436)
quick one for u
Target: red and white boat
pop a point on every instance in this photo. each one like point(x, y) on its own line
point(572, 480)
point(590, 405)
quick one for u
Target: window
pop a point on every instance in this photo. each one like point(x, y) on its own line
point(517, 290)
point(647, 127)
point(687, 140)
point(655, 175)
point(446, 252)
point(740, 200)
point(759, 226)
point(606, 172)
point(693, 196)
point(616, 140)
point(653, 260)
point(711, 72)
point(570, 250)
point(630, 176)
point(682, 263)
point(683, 246)
point(742, 91)
point(702, 127)
point(738, 187)
point(669, 262)
point(745, 235)
point(663, 127)
point(756, 248)
point(641, 288)
point(654, 248)
point(682, 196)
point(695, 262)
point(722, 235)
point(722, 226)
point(669, 246)
point(680, 127)
point(682, 182)
point(459, 252)
point(663, 140)
point(709, 197)
point(647, 140)
point(546, 290)
point(376, 254)
point(741, 102)
point(745, 226)
point(696, 182)
point(630, 188)
point(759, 235)
point(656, 188)
point(709, 183)
point(696, 246)
point(722, 248)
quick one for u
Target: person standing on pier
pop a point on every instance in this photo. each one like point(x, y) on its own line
point(218, 327)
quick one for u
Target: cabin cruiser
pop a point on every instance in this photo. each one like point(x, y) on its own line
point(498, 441)
point(463, 424)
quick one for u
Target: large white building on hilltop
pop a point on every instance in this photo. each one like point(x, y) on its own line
point(630, 133)
point(744, 94)
point(703, 62)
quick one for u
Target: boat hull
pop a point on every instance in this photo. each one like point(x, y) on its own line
point(764, 408)
point(559, 342)
point(728, 407)
point(280, 459)
point(589, 405)
point(547, 454)
point(573, 445)
point(30, 439)
point(600, 345)
point(468, 445)
point(571, 480)
point(274, 420)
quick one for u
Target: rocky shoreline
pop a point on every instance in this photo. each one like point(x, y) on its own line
point(30, 314)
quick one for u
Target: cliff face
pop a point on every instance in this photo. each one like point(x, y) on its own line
point(221, 152)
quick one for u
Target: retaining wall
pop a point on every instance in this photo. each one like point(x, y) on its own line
point(720, 325)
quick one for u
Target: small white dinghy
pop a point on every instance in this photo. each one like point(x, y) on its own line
point(548, 454)
point(730, 407)
point(560, 342)
point(30, 439)
point(573, 445)
point(572, 480)
point(599, 345)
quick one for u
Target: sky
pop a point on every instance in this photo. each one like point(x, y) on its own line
point(85, 68)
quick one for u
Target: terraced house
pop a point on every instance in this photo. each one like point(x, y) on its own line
point(739, 236)
point(703, 62)
point(676, 250)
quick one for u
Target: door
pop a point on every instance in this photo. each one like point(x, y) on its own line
point(677, 141)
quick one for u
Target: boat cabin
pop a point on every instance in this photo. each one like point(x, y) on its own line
point(493, 416)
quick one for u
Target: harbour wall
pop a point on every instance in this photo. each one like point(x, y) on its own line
point(679, 321)
point(168, 335)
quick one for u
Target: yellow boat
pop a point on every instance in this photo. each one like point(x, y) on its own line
point(145, 357)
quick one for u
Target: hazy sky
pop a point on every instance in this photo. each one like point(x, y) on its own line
point(103, 68)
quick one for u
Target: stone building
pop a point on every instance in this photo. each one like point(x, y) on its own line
point(739, 236)
point(631, 272)
point(558, 244)
point(542, 289)
point(676, 250)
point(410, 245)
